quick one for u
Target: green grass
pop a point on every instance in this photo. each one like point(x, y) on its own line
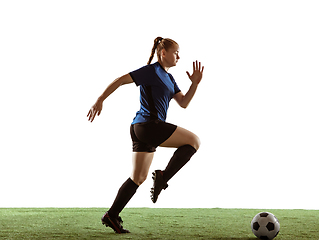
point(146, 223)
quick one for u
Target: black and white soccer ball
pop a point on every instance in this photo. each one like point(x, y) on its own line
point(265, 225)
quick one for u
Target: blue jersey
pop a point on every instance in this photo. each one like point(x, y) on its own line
point(157, 88)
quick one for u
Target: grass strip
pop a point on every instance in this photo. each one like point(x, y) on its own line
point(151, 223)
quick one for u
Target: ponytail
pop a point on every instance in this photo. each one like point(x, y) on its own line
point(156, 42)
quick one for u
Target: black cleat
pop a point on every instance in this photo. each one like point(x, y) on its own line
point(158, 185)
point(114, 223)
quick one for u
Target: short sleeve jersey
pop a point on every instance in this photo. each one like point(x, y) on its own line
point(157, 88)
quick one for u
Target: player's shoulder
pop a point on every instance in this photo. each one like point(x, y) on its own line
point(149, 67)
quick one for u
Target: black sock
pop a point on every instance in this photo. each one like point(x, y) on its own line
point(181, 156)
point(125, 193)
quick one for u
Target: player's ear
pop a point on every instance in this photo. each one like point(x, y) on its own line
point(163, 52)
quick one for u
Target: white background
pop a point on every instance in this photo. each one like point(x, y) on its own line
point(256, 110)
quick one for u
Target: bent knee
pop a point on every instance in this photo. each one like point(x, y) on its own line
point(139, 179)
point(195, 141)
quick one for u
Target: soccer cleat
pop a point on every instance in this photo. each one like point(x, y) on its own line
point(158, 185)
point(114, 223)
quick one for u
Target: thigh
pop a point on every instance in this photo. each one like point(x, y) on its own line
point(138, 145)
point(154, 133)
point(141, 165)
point(180, 137)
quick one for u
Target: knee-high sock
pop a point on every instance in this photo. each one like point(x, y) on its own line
point(124, 195)
point(181, 156)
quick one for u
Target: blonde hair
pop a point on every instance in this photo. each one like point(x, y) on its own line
point(160, 44)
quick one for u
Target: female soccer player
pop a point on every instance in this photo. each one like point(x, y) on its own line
point(149, 129)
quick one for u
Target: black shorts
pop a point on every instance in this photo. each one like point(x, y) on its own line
point(146, 137)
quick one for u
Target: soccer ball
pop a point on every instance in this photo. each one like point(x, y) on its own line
point(265, 225)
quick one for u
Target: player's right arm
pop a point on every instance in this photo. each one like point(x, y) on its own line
point(97, 107)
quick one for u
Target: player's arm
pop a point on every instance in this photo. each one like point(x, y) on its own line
point(97, 107)
point(184, 100)
point(115, 85)
point(196, 77)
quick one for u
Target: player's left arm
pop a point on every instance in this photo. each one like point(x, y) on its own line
point(196, 77)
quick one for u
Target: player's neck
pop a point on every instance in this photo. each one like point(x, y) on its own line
point(163, 65)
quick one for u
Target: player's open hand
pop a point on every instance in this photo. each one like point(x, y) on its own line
point(197, 75)
point(95, 109)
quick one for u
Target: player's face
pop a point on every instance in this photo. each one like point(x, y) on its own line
point(170, 57)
